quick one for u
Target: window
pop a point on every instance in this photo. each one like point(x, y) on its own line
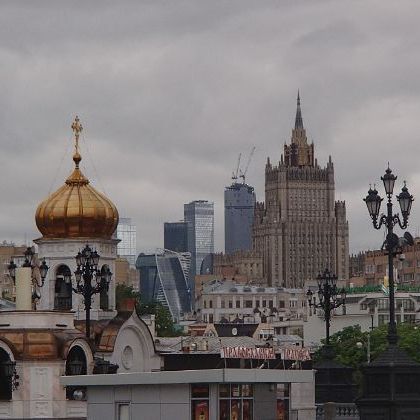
point(281, 303)
point(210, 304)
point(5, 381)
point(270, 303)
point(248, 304)
point(222, 303)
point(76, 353)
point(283, 396)
point(200, 402)
point(383, 319)
point(230, 304)
point(236, 401)
point(62, 289)
point(408, 305)
point(238, 304)
point(410, 318)
point(123, 411)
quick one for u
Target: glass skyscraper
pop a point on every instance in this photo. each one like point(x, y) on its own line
point(199, 216)
point(127, 247)
point(164, 278)
point(176, 236)
point(239, 217)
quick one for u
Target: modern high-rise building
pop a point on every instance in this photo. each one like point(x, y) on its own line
point(164, 278)
point(239, 217)
point(147, 269)
point(127, 247)
point(176, 236)
point(199, 216)
point(300, 229)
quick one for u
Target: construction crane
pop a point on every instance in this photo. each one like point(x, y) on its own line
point(243, 174)
point(235, 173)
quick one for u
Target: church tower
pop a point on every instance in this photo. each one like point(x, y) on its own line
point(73, 216)
point(300, 228)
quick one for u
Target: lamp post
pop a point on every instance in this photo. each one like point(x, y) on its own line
point(359, 345)
point(333, 381)
point(87, 270)
point(329, 297)
point(392, 243)
point(30, 263)
point(389, 385)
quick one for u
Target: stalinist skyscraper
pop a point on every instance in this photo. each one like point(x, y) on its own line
point(300, 229)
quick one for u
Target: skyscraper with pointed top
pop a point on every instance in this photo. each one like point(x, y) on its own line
point(300, 228)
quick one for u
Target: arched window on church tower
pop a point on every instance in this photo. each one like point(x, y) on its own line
point(63, 290)
point(76, 364)
point(103, 297)
point(5, 378)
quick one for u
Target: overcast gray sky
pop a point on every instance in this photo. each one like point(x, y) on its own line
point(170, 92)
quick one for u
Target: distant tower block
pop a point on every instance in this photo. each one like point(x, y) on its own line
point(300, 229)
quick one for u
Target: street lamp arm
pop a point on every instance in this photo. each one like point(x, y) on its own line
point(397, 220)
point(382, 221)
point(37, 283)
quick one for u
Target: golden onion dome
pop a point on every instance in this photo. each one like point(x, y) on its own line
point(77, 210)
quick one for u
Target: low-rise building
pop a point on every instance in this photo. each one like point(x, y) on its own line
point(225, 301)
point(366, 306)
point(240, 266)
point(9, 251)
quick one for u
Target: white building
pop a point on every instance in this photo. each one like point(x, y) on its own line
point(225, 301)
point(365, 306)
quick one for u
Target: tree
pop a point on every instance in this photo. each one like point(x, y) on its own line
point(164, 324)
point(348, 353)
point(123, 292)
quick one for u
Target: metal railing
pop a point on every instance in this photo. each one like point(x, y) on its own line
point(337, 411)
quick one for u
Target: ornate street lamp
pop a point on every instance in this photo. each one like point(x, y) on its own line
point(87, 270)
point(392, 243)
point(329, 297)
point(30, 263)
point(389, 382)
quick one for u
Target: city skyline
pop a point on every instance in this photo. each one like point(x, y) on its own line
point(170, 119)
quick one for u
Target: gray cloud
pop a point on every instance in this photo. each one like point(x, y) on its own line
point(170, 92)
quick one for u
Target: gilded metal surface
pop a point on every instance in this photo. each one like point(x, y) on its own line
point(77, 210)
point(104, 332)
point(39, 344)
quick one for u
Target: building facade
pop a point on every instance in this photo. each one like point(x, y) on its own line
point(176, 236)
point(225, 301)
point(239, 217)
point(199, 216)
point(9, 251)
point(367, 306)
point(300, 229)
point(240, 266)
point(164, 278)
point(127, 234)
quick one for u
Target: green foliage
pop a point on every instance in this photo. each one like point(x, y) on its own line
point(123, 292)
point(164, 324)
point(349, 353)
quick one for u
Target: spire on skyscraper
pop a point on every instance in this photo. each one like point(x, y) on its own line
point(298, 120)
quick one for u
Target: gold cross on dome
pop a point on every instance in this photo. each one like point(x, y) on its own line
point(77, 129)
